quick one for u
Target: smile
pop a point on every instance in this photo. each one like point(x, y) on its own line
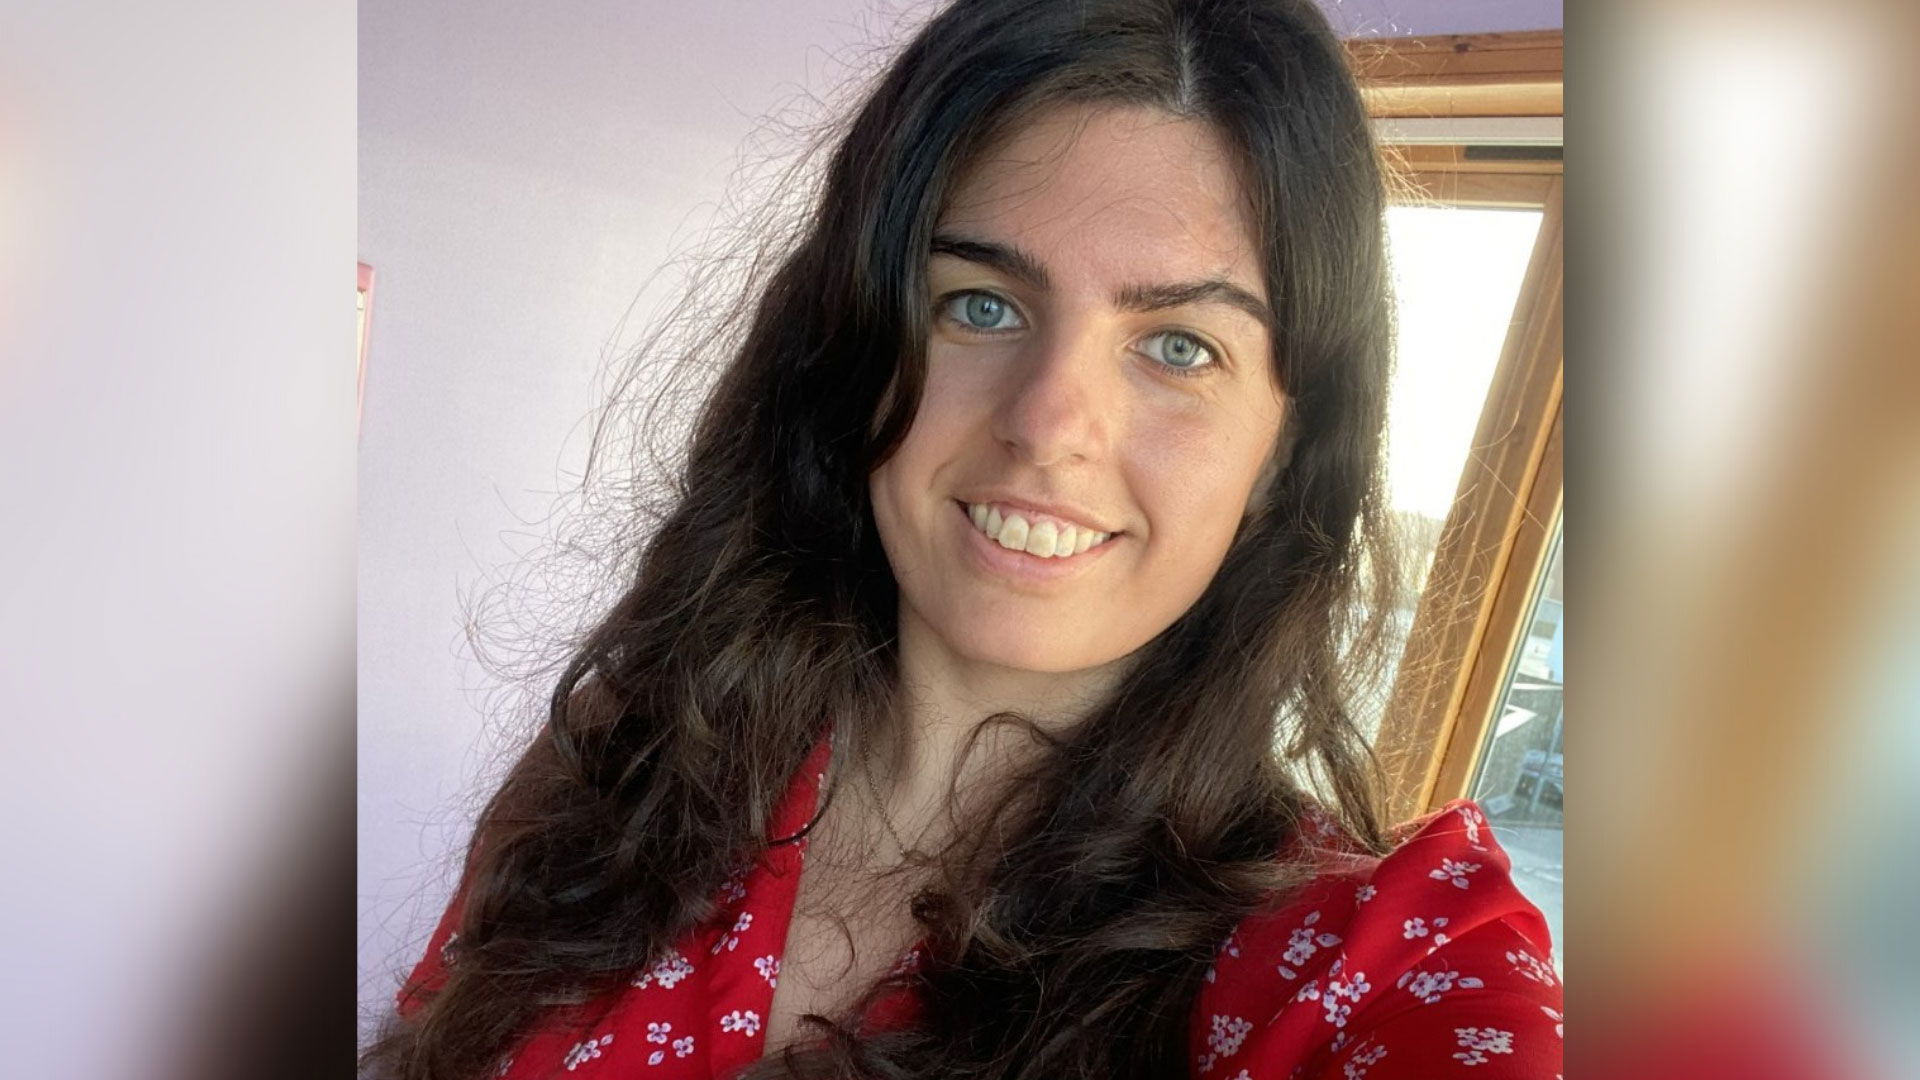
point(1041, 537)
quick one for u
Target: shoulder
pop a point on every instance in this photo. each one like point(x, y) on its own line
point(1426, 962)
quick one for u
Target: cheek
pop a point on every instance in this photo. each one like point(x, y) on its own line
point(952, 393)
point(954, 406)
point(1193, 478)
point(904, 488)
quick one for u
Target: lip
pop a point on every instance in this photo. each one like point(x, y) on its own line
point(989, 557)
point(1066, 512)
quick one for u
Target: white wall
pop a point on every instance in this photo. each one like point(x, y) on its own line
point(522, 172)
point(1412, 18)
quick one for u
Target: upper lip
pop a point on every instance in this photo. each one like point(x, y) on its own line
point(1078, 515)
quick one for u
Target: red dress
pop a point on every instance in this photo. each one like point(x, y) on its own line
point(1427, 963)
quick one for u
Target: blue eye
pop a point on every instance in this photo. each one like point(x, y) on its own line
point(1178, 350)
point(981, 311)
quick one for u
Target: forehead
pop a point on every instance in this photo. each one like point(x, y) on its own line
point(1108, 194)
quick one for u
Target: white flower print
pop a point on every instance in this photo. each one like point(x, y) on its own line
point(769, 968)
point(1559, 1022)
point(731, 939)
point(1229, 947)
point(657, 1033)
point(1456, 872)
point(683, 1047)
point(1479, 1042)
point(1472, 819)
point(1531, 968)
point(1303, 942)
point(1365, 1056)
point(1228, 1033)
point(908, 963)
point(1365, 893)
point(450, 951)
point(1206, 1061)
point(1413, 928)
point(1339, 986)
point(745, 1022)
point(668, 972)
point(1241, 1075)
point(1323, 825)
point(1428, 986)
point(656, 1057)
point(1348, 988)
point(505, 1066)
point(584, 1052)
point(735, 889)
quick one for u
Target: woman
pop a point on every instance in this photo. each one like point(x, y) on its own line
point(937, 734)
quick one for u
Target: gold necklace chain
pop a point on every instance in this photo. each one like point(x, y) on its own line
point(880, 803)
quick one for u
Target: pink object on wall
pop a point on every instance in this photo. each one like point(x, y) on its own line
point(364, 302)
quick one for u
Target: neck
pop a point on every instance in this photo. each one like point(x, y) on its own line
point(944, 696)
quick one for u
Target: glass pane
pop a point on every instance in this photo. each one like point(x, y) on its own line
point(1521, 768)
point(1456, 276)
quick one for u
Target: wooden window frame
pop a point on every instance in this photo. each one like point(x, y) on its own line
point(1495, 542)
point(1512, 74)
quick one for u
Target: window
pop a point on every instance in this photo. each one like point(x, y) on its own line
point(1520, 776)
point(1474, 437)
point(1456, 274)
point(1472, 123)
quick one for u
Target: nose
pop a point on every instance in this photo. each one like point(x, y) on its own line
point(1058, 403)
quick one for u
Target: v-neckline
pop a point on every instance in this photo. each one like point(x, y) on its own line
point(771, 890)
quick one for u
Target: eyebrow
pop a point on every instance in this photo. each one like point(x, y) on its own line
point(1029, 271)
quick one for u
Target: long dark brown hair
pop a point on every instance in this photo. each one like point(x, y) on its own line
point(1072, 940)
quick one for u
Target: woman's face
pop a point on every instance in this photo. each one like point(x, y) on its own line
point(1099, 373)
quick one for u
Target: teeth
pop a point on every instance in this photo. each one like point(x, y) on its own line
point(1013, 534)
point(1043, 540)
